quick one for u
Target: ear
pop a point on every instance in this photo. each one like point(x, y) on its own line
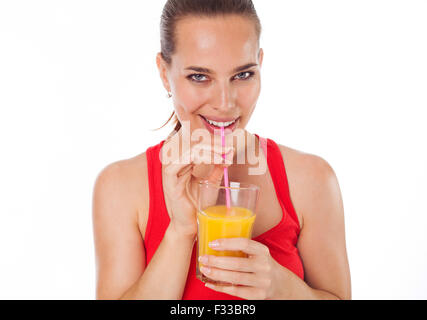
point(163, 71)
point(260, 57)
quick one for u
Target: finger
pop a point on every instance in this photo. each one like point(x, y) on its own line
point(189, 193)
point(246, 245)
point(180, 165)
point(215, 178)
point(216, 175)
point(233, 277)
point(198, 154)
point(177, 185)
point(218, 171)
point(206, 153)
point(224, 161)
point(185, 170)
point(248, 293)
point(219, 148)
point(228, 263)
point(228, 158)
point(182, 177)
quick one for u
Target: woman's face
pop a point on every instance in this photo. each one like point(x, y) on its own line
point(215, 71)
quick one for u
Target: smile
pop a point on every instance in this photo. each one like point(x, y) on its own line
point(213, 125)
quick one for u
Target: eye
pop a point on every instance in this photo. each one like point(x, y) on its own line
point(197, 77)
point(244, 75)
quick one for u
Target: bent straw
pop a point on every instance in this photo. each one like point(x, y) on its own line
point(227, 190)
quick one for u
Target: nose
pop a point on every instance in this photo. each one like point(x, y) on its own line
point(223, 97)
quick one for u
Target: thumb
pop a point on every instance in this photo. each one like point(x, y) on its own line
point(217, 174)
point(218, 171)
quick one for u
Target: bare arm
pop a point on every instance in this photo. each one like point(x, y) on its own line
point(120, 255)
point(322, 239)
point(166, 275)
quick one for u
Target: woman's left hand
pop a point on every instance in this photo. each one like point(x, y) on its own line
point(257, 277)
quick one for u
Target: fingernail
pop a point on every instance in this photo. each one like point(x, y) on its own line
point(229, 159)
point(214, 244)
point(210, 286)
point(231, 149)
point(205, 270)
point(203, 259)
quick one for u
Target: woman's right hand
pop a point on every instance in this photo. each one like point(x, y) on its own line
point(180, 185)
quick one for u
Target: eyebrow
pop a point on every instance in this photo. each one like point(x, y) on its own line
point(206, 70)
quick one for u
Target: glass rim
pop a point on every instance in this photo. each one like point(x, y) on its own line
point(243, 185)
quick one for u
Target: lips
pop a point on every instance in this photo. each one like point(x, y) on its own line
point(216, 119)
point(217, 130)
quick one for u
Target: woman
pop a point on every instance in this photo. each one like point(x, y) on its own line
point(144, 218)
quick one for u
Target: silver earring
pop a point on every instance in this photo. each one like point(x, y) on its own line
point(169, 95)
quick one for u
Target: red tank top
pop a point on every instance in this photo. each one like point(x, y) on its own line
point(281, 239)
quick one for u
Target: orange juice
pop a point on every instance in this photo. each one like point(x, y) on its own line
point(218, 222)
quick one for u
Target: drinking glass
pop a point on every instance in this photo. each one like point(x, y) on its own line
point(218, 219)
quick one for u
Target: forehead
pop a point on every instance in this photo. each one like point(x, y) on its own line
point(222, 42)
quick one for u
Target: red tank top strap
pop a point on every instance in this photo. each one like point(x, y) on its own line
point(158, 219)
point(278, 174)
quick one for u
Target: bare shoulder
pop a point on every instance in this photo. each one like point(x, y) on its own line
point(120, 255)
point(125, 173)
point(305, 163)
point(124, 183)
point(310, 178)
point(317, 198)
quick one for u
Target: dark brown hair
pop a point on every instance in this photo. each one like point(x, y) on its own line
point(175, 10)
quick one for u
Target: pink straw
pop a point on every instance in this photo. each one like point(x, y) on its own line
point(227, 191)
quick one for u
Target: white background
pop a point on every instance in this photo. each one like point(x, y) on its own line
point(79, 89)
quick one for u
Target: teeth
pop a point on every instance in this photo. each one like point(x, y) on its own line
point(220, 124)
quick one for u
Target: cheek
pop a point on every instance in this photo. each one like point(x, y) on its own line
point(248, 95)
point(187, 98)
